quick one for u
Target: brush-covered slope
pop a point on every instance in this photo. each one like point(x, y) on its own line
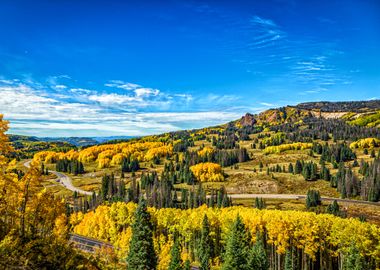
point(358, 113)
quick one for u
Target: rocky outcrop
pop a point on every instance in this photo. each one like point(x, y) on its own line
point(248, 120)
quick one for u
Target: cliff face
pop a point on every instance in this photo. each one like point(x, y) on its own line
point(274, 117)
point(247, 120)
point(283, 115)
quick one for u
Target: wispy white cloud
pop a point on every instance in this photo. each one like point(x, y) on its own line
point(122, 85)
point(8, 81)
point(265, 33)
point(109, 99)
point(186, 97)
point(220, 99)
point(140, 92)
point(314, 91)
point(266, 48)
point(267, 104)
point(80, 91)
point(317, 73)
point(263, 22)
point(60, 86)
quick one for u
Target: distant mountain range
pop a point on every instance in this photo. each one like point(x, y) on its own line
point(77, 141)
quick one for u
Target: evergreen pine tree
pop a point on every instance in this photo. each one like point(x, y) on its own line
point(333, 208)
point(290, 168)
point(237, 247)
point(141, 250)
point(298, 167)
point(259, 203)
point(175, 257)
point(353, 260)
point(205, 248)
point(258, 258)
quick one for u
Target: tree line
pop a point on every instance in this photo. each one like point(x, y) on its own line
point(70, 166)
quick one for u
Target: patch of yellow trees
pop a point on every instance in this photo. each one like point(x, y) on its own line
point(305, 230)
point(208, 172)
point(110, 154)
point(365, 143)
point(207, 150)
point(33, 221)
point(285, 147)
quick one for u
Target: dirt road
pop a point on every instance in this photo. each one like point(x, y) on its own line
point(64, 180)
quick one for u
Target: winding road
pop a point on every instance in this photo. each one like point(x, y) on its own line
point(64, 180)
point(88, 244)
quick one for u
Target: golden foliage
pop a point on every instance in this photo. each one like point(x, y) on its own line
point(285, 147)
point(306, 230)
point(365, 143)
point(33, 225)
point(208, 172)
point(60, 227)
point(46, 156)
point(110, 154)
point(206, 151)
point(5, 146)
point(117, 159)
point(25, 205)
point(160, 151)
point(164, 245)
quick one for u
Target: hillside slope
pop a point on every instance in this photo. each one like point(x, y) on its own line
point(360, 113)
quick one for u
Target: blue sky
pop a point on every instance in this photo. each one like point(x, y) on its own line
point(102, 68)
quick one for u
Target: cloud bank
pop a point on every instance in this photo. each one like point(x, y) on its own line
point(56, 109)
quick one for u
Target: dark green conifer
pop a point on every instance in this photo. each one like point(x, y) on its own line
point(258, 258)
point(333, 208)
point(237, 247)
point(290, 168)
point(205, 248)
point(141, 250)
point(353, 260)
point(175, 257)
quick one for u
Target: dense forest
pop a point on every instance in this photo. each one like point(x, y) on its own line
point(343, 106)
point(232, 237)
point(164, 201)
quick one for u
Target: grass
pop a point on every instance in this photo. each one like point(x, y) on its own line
point(274, 204)
point(245, 180)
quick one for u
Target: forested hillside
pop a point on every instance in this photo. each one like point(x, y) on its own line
point(344, 106)
point(194, 196)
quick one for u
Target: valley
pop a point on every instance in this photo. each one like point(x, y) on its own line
point(294, 161)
